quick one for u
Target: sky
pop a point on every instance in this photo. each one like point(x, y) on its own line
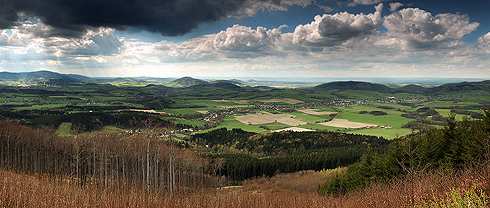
point(247, 38)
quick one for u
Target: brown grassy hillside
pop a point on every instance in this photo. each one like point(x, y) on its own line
point(19, 190)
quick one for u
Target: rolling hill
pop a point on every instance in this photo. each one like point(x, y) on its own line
point(187, 81)
point(353, 85)
point(460, 87)
point(412, 88)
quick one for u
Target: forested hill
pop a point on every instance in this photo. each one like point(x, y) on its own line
point(253, 155)
point(366, 86)
point(353, 85)
point(187, 81)
point(219, 85)
point(412, 88)
point(282, 143)
point(458, 87)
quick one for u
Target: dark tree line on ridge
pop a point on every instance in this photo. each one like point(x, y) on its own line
point(89, 121)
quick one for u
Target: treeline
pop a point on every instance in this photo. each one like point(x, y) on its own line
point(221, 136)
point(422, 123)
point(458, 144)
point(151, 101)
point(422, 113)
point(245, 166)
point(145, 162)
point(375, 113)
point(283, 143)
point(249, 155)
point(420, 116)
point(88, 121)
point(467, 113)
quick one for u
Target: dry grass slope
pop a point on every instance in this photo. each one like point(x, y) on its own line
point(17, 190)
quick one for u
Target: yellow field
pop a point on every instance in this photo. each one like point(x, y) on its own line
point(295, 129)
point(344, 123)
point(270, 118)
point(149, 111)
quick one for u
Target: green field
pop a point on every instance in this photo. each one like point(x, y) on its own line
point(276, 126)
point(386, 133)
point(183, 101)
point(231, 123)
point(447, 103)
point(458, 117)
point(111, 129)
point(321, 127)
point(64, 129)
point(392, 119)
point(308, 117)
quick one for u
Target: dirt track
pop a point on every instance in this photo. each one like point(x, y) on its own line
point(295, 129)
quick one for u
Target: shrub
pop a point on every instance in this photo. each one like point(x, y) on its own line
point(264, 127)
point(461, 199)
point(438, 118)
point(431, 112)
point(412, 115)
point(378, 113)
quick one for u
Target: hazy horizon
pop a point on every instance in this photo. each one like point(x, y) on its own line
point(248, 38)
point(311, 80)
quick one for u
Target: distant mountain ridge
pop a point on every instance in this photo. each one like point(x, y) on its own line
point(220, 85)
point(55, 78)
point(231, 81)
point(38, 75)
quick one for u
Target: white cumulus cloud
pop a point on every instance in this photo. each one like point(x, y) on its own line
point(394, 6)
point(483, 43)
point(337, 28)
point(420, 28)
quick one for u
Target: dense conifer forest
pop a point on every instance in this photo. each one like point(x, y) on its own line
point(253, 155)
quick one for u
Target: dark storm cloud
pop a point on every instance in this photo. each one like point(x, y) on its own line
point(72, 18)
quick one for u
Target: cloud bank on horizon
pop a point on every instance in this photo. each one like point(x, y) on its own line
point(390, 39)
